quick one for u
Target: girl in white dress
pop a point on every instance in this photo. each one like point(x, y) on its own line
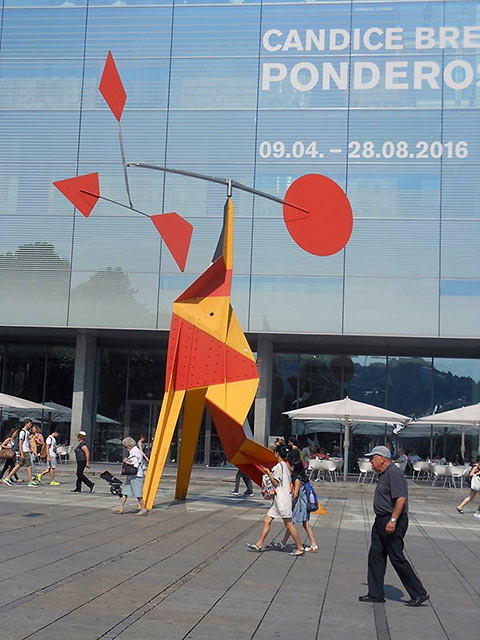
point(282, 503)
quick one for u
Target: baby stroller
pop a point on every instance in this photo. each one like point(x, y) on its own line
point(115, 483)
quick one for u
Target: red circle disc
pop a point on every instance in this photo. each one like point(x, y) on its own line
point(327, 226)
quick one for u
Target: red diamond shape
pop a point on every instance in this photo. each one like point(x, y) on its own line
point(111, 87)
point(176, 233)
point(74, 189)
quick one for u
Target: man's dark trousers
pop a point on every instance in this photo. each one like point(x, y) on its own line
point(385, 545)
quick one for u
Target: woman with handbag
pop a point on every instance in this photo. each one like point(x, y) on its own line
point(134, 471)
point(282, 502)
point(8, 453)
point(474, 487)
point(82, 456)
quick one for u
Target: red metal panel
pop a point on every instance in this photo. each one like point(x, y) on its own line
point(327, 226)
point(74, 188)
point(215, 281)
point(111, 87)
point(176, 233)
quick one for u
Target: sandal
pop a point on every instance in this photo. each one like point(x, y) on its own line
point(279, 546)
point(119, 511)
point(297, 553)
point(254, 547)
point(311, 549)
point(459, 510)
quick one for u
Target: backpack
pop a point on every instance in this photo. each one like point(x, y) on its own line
point(268, 490)
point(312, 500)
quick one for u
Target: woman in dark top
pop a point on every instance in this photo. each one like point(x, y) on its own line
point(82, 456)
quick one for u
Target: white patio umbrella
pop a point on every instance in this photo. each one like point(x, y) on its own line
point(346, 412)
point(12, 402)
point(463, 417)
point(61, 413)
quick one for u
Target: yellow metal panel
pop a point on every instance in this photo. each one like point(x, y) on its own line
point(192, 419)
point(234, 398)
point(228, 235)
point(236, 338)
point(209, 314)
point(167, 420)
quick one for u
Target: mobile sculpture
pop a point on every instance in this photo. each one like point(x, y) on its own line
point(209, 361)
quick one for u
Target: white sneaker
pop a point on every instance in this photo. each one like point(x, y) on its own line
point(476, 514)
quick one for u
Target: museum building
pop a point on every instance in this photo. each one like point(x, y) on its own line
point(382, 97)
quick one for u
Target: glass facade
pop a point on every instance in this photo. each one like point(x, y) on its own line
point(381, 96)
point(37, 373)
point(411, 386)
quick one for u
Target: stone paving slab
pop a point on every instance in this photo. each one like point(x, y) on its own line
point(184, 572)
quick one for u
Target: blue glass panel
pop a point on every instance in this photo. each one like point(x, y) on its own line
point(34, 297)
point(460, 249)
point(283, 18)
point(48, 4)
point(143, 136)
point(461, 89)
point(304, 82)
point(298, 304)
point(113, 298)
point(40, 84)
point(43, 33)
point(327, 130)
point(460, 191)
point(396, 306)
point(141, 32)
point(38, 136)
point(406, 191)
point(29, 242)
point(27, 189)
point(211, 136)
point(459, 307)
point(132, 244)
point(396, 133)
point(145, 82)
point(393, 248)
point(275, 252)
point(400, 15)
point(463, 125)
point(216, 31)
point(214, 83)
point(205, 236)
point(407, 90)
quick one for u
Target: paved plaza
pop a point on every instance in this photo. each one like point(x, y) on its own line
point(71, 569)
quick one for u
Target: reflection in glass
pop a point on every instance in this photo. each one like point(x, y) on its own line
point(410, 386)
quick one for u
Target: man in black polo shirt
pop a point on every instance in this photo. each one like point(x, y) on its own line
point(390, 505)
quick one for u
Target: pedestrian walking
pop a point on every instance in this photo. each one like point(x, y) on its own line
point(134, 477)
point(300, 513)
point(282, 502)
point(24, 459)
point(8, 445)
point(390, 504)
point(82, 456)
point(474, 488)
point(248, 483)
point(51, 453)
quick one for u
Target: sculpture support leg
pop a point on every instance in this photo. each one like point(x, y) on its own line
point(192, 420)
point(171, 405)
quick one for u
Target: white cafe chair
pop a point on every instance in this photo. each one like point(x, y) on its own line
point(420, 467)
point(315, 469)
point(63, 452)
point(339, 466)
point(401, 465)
point(330, 467)
point(442, 471)
point(459, 473)
point(365, 468)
